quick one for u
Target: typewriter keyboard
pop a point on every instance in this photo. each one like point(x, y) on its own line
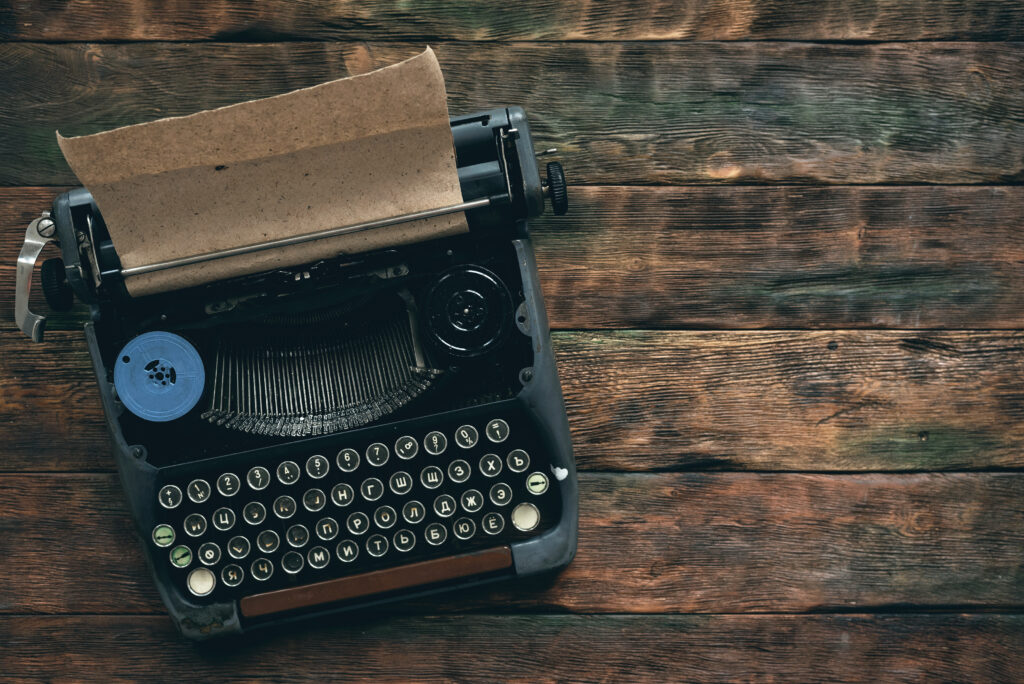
point(310, 516)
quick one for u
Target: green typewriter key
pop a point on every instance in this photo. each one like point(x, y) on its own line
point(163, 535)
point(181, 556)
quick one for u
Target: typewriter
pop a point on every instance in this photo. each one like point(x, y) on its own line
point(343, 433)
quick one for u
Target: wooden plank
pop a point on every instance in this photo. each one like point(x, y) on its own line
point(820, 401)
point(649, 543)
point(534, 648)
point(642, 113)
point(124, 20)
point(744, 257)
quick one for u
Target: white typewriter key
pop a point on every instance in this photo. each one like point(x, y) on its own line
point(288, 472)
point(201, 581)
point(518, 461)
point(231, 575)
point(292, 562)
point(371, 489)
point(471, 500)
point(268, 541)
point(493, 523)
point(413, 512)
point(444, 506)
point(228, 484)
point(347, 551)
point(458, 471)
point(314, 500)
point(297, 536)
point(261, 569)
point(170, 496)
point(525, 517)
point(198, 490)
point(490, 465)
point(327, 529)
point(195, 525)
point(223, 519)
point(318, 557)
point(238, 547)
point(342, 494)
point(431, 477)
point(357, 523)
point(406, 447)
point(348, 460)
point(435, 534)
point(500, 494)
point(163, 535)
point(400, 482)
point(258, 478)
point(435, 443)
point(317, 466)
point(284, 507)
point(385, 517)
point(209, 554)
point(404, 540)
point(537, 483)
point(377, 454)
point(377, 545)
point(497, 430)
point(466, 436)
point(254, 513)
point(464, 528)
point(181, 556)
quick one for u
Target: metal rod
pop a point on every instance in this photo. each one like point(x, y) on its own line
point(309, 237)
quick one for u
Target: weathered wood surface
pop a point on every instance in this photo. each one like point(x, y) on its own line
point(533, 648)
point(649, 543)
point(621, 113)
point(810, 401)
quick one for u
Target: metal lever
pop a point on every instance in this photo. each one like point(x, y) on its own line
point(39, 233)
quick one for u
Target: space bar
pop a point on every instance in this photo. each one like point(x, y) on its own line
point(377, 582)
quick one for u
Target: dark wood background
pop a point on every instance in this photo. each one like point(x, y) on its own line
point(788, 307)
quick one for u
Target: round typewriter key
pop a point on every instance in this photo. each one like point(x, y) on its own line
point(284, 507)
point(314, 500)
point(327, 528)
point(466, 436)
point(371, 489)
point(341, 494)
point(258, 478)
point(406, 447)
point(357, 523)
point(493, 523)
point(292, 562)
point(404, 540)
point(318, 557)
point(297, 536)
point(471, 500)
point(435, 534)
point(195, 525)
point(181, 556)
point(254, 513)
point(385, 517)
point(238, 547)
point(288, 472)
point(348, 460)
point(231, 575)
point(444, 505)
point(537, 483)
point(170, 496)
point(377, 545)
point(261, 569)
point(347, 550)
point(400, 482)
point(377, 454)
point(198, 490)
point(525, 517)
point(464, 528)
point(268, 541)
point(497, 431)
point(490, 465)
point(501, 494)
point(201, 581)
point(209, 554)
point(317, 466)
point(413, 512)
point(228, 484)
point(518, 461)
point(431, 477)
point(163, 535)
point(435, 443)
point(223, 519)
point(458, 470)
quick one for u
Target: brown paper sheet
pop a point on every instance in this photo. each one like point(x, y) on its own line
point(343, 152)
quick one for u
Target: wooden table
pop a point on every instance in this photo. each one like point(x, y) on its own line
point(788, 304)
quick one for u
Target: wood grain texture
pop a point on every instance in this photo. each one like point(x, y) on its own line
point(742, 257)
point(51, 20)
point(649, 543)
point(534, 648)
point(819, 401)
point(621, 113)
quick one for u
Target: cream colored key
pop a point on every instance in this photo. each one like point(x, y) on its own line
point(525, 517)
point(201, 581)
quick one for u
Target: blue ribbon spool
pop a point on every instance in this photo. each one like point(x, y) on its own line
point(159, 376)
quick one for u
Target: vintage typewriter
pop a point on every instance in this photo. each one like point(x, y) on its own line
point(343, 433)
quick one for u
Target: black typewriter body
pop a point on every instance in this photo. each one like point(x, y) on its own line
point(371, 427)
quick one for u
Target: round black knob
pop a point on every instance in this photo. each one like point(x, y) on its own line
point(55, 285)
point(556, 189)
